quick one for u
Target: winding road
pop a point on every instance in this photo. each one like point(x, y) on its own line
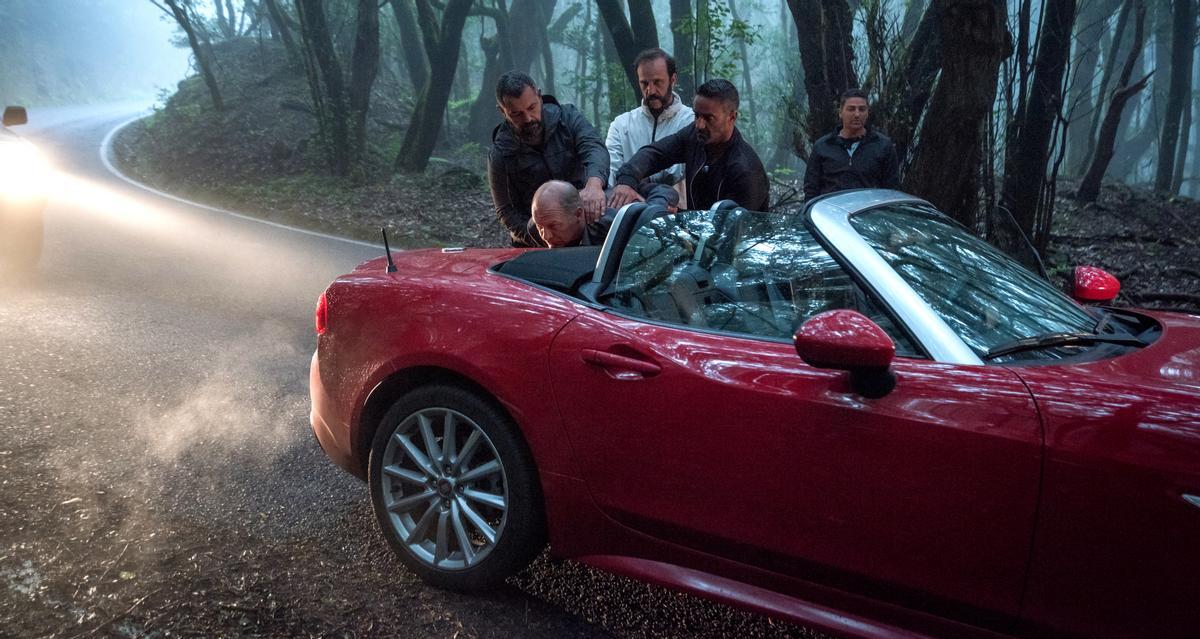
point(157, 472)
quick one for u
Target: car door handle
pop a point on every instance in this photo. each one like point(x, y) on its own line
point(620, 366)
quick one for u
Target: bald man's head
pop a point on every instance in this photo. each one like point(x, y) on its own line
point(558, 213)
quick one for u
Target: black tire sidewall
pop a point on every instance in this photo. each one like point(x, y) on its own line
point(523, 534)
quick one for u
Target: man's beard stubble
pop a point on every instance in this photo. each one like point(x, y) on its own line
point(531, 133)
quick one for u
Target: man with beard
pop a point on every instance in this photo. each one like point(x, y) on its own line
point(719, 163)
point(541, 140)
point(661, 114)
point(853, 157)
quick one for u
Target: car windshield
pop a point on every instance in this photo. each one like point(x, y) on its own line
point(982, 294)
point(742, 272)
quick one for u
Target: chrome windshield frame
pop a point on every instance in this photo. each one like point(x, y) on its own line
point(830, 219)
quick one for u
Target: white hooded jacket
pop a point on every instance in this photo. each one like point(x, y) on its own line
point(634, 129)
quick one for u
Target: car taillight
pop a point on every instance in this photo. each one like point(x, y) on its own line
point(322, 314)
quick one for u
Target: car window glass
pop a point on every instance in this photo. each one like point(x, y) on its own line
point(982, 294)
point(741, 272)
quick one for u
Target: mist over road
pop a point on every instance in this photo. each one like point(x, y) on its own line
point(157, 472)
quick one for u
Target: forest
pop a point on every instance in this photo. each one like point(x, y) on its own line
point(997, 108)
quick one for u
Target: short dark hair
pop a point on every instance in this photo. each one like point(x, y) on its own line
point(652, 54)
point(723, 90)
point(512, 85)
point(852, 93)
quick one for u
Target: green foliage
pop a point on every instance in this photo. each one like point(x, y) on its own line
point(714, 23)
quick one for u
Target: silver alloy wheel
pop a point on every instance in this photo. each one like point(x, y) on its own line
point(444, 488)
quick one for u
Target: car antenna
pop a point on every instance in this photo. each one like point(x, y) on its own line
point(391, 267)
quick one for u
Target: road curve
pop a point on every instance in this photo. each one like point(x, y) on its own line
point(157, 472)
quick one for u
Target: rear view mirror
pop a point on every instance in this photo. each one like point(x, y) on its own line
point(1092, 285)
point(15, 115)
point(848, 340)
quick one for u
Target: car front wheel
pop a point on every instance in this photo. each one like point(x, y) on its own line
point(455, 489)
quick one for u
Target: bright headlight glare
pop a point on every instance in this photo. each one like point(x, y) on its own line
point(23, 170)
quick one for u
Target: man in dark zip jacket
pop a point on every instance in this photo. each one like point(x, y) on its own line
point(541, 140)
point(719, 163)
point(854, 156)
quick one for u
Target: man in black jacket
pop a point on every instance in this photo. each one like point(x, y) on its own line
point(541, 140)
point(853, 157)
point(719, 164)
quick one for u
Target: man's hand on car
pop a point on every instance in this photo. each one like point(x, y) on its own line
point(593, 200)
point(622, 195)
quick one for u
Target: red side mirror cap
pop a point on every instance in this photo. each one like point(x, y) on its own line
point(1094, 285)
point(844, 340)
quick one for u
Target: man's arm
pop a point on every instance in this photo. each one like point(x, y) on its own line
point(889, 169)
point(513, 220)
point(655, 157)
point(649, 160)
point(591, 151)
point(616, 154)
point(812, 175)
point(593, 156)
point(751, 189)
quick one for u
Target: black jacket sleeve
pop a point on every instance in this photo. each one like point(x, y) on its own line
point(889, 168)
point(514, 220)
point(652, 158)
point(588, 145)
point(751, 190)
point(812, 173)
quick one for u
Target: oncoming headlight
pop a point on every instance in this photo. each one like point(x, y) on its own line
point(24, 172)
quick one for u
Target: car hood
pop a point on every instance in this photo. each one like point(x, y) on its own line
point(1154, 390)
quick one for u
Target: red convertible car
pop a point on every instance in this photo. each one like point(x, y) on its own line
point(861, 419)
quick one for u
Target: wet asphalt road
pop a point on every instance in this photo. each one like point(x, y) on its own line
point(157, 472)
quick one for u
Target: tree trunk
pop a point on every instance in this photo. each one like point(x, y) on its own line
point(411, 50)
point(899, 108)
point(747, 90)
point(1089, 30)
point(279, 26)
point(1026, 160)
point(1024, 23)
point(616, 80)
point(546, 12)
point(976, 40)
point(497, 57)
point(1089, 187)
point(683, 36)
point(442, 47)
point(702, 42)
point(325, 71)
point(1183, 37)
point(202, 56)
point(1185, 132)
point(827, 55)
point(912, 17)
point(364, 66)
point(224, 27)
point(629, 37)
point(1115, 52)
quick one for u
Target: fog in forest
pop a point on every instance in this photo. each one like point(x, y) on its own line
point(87, 51)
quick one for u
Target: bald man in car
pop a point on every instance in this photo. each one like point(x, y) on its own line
point(558, 213)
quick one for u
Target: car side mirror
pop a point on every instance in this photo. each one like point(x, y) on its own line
point(15, 115)
point(849, 341)
point(1092, 285)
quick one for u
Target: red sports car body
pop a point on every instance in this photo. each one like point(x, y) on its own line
point(753, 439)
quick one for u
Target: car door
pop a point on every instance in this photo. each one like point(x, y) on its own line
point(728, 443)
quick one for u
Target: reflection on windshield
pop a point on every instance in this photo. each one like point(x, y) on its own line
point(982, 294)
point(737, 271)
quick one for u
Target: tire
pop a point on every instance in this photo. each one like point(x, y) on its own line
point(431, 502)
